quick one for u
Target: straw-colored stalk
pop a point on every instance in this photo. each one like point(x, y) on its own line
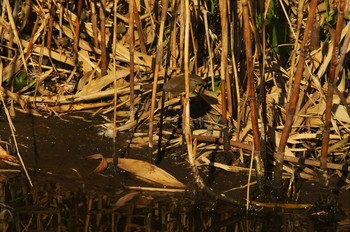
point(94, 21)
point(103, 38)
point(115, 7)
point(15, 33)
point(191, 147)
point(224, 46)
point(211, 66)
point(132, 51)
point(158, 61)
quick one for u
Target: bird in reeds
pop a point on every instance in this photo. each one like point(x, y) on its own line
point(176, 85)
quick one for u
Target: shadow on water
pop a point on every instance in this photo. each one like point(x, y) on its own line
point(58, 208)
point(67, 196)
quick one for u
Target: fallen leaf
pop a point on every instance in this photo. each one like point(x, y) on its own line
point(141, 169)
point(124, 199)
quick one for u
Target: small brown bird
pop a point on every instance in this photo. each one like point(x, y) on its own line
point(176, 85)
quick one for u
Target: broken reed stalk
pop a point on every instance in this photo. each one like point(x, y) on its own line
point(331, 86)
point(103, 38)
point(235, 79)
point(294, 95)
point(31, 41)
point(132, 51)
point(94, 21)
point(261, 33)
point(191, 148)
point(251, 94)
point(224, 47)
point(51, 20)
point(139, 29)
point(182, 33)
point(15, 33)
point(115, 7)
point(77, 31)
point(173, 42)
point(224, 72)
point(343, 51)
point(211, 66)
point(294, 53)
point(227, 76)
point(158, 63)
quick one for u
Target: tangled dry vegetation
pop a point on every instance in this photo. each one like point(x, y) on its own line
point(267, 70)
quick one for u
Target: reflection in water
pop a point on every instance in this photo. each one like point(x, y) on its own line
point(56, 207)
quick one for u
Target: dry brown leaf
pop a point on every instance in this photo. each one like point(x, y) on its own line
point(149, 171)
point(103, 164)
point(141, 169)
point(124, 199)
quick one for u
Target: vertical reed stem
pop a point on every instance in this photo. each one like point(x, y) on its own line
point(251, 93)
point(49, 33)
point(103, 38)
point(158, 61)
point(331, 85)
point(279, 155)
point(94, 22)
point(132, 51)
point(77, 31)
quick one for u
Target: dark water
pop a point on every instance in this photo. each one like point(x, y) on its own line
point(68, 196)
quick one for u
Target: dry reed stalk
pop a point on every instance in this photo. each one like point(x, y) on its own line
point(15, 66)
point(331, 86)
point(173, 41)
point(191, 146)
point(261, 49)
point(182, 34)
point(252, 98)
point(249, 178)
point(88, 215)
point(223, 68)
point(168, 190)
point(31, 40)
point(158, 63)
point(77, 31)
point(131, 51)
point(139, 28)
point(230, 80)
point(103, 38)
point(115, 99)
point(51, 20)
point(94, 22)
point(295, 50)
point(294, 95)
point(15, 33)
point(209, 47)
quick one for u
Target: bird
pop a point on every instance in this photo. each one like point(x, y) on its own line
point(176, 85)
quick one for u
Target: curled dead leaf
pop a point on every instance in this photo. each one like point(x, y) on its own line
point(124, 199)
point(140, 169)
